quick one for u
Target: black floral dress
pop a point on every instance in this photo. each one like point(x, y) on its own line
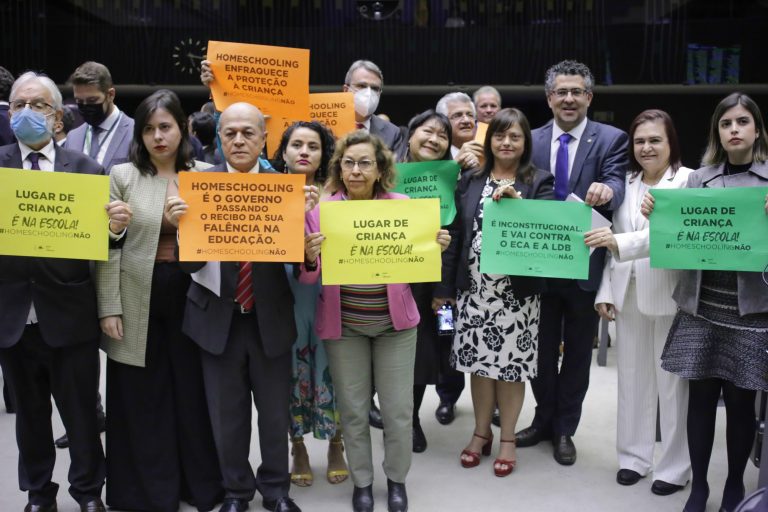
point(497, 332)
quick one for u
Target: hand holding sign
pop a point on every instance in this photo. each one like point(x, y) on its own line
point(648, 201)
point(601, 237)
point(175, 208)
point(470, 156)
point(120, 215)
point(312, 244)
point(443, 239)
point(598, 194)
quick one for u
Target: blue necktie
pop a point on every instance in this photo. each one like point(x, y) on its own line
point(34, 159)
point(561, 167)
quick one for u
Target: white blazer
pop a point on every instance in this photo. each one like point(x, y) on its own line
point(654, 286)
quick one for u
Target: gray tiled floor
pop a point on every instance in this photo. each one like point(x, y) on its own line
point(437, 482)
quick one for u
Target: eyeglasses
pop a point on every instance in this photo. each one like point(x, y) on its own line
point(575, 92)
point(459, 115)
point(364, 165)
point(37, 105)
point(363, 85)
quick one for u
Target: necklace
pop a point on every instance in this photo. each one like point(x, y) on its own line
point(502, 182)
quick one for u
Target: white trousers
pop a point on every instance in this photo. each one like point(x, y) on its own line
point(640, 341)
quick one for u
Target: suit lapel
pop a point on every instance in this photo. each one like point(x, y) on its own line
point(543, 147)
point(62, 163)
point(12, 158)
point(474, 191)
point(587, 142)
point(632, 189)
point(120, 133)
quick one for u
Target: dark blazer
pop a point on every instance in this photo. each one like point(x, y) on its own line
point(752, 290)
point(6, 134)
point(117, 152)
point(600, 157)
point(61, 289)
point(456, 258)
point(388, 132)
point(208, 317)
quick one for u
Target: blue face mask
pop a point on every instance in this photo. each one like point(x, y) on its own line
point(30, 127)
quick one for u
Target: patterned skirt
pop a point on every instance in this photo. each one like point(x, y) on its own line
point(718, 343)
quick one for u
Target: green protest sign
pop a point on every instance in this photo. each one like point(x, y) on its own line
point(423, 180)
point(539, 238)
point(710, 229)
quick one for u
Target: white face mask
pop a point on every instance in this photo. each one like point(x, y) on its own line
point(366, 102)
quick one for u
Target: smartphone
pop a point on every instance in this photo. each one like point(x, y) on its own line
point(445, 320)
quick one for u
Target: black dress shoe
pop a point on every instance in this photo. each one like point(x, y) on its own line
point(662, 488)
point(397, 498)
point(94, 505)
point(234, 505)
point(628, 477)
point(374, 416)
point(362, 499)
point(40, 508)
point(495, 419)
point(282, 504)
point(445, 413)
point(530, 436)
point(565, 451)
point(419, 439)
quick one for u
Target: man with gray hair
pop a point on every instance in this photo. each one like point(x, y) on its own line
point(49, 332)
point(487, 102)
point(366, 81)
point(460, 111)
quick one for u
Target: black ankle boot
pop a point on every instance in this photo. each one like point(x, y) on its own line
point(397, 499)
point(362, 499)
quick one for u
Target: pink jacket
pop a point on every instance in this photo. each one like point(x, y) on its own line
point(402, 307)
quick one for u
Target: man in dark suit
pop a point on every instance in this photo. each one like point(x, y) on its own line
point(366, 80)
point(49, 329)
point(590, 160)
point(107, 132)
point(6, 81)
point(246, 329)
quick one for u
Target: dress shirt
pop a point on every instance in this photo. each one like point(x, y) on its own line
point(46, 161)
point(573, 145)
point(255, 169)
point(105, 137)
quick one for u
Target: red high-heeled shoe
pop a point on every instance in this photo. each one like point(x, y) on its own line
point(474, 457)
point(498, 470)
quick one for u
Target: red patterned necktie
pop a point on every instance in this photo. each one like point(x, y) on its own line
point(244, 290)
point(360, 126)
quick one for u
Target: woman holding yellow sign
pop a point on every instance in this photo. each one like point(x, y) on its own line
point(306, 148)
point(719, 335)
point(497, 328)
point(369, 330)
point(160, 447)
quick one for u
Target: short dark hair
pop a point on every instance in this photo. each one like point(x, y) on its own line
point(715, 153)
point(6, 81)
point(650, 116)
point(501, 122)
point(68, 118)
point(327, 145)
point(385, 161)
point(204, 127)
point(92, 73)
point(418, 120)
point(168, 101)
point(568, 67)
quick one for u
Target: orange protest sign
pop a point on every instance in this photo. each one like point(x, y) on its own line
point(482, 129)
point(336, 110)
point(274, 78)
point(242, 217)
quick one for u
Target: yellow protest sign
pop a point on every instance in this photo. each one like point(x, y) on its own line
point(242, 217)
point(274, 78)
point(380, 241)
point(54, 214)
